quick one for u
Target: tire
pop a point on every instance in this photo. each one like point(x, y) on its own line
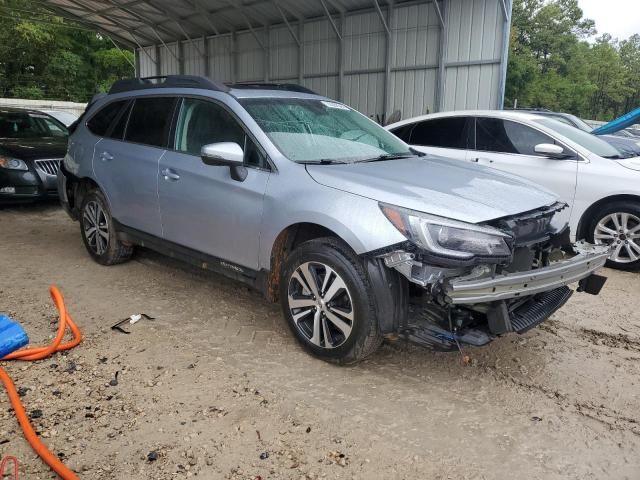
point(104, 248)
point(347, 329)
point(618, 223)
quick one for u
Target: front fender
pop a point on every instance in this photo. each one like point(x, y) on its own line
point(357, 220)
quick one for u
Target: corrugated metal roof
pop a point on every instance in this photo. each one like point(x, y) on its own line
point(146, 22)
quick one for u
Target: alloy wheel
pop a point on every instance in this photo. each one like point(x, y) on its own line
point(321, 305)
point(96, 227)
point(621, 231)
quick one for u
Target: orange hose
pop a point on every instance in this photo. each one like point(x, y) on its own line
point(38, 353)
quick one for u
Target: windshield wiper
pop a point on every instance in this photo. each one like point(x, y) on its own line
point(322, 161)
point(387, 156)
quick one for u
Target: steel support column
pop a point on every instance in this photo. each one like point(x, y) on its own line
point(507, 9)
point(158, 66)
point(266, 53)
point(206, 68)
point(341, 59)
point(301, 52)
point(387, 59)
point(443, 17)
point(234, 57)
point(180, 48)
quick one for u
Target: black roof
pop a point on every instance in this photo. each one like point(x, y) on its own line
point(193, 81)
point(290, 87)
point(167, 81)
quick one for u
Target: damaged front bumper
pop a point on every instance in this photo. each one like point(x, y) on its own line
point(479, 287)
point(473, 307)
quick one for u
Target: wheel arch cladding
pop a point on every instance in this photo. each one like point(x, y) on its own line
point(587, 216)
point(285, 242)
point(391, 290)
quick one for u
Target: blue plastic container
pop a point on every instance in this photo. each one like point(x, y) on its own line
point(12, 336)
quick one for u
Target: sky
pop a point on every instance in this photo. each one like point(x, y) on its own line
point(620, 18)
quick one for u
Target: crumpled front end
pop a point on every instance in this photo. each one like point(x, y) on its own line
point(472, 302)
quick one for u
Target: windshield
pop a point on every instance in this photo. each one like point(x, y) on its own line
point(29, 125)
point(310, 131)
point(584, 139)
point(574, 121)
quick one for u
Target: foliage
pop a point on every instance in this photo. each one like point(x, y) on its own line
point(45, 56)
point(553, 65)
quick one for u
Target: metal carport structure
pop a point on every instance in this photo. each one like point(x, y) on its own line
point(375, 55)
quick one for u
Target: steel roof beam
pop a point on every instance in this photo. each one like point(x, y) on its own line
point(92, 25)
point(286, 22)
point(436, 5)
point(124, 27)
point(330, 18)
point(173, 15)
point(381, 15)
point(207, 16)
point(141, 19)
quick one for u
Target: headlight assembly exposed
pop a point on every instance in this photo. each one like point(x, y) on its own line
point(448, 238)
point(12, 163)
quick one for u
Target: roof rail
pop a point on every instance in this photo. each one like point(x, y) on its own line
point(530, 109)
point(291, 87)
point(166, 81)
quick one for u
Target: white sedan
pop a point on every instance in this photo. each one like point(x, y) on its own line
point(601, 188)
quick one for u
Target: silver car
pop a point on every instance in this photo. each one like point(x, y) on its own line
point(357, 236)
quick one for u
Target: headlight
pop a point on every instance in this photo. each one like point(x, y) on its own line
point(12, 163)
point(448, 238)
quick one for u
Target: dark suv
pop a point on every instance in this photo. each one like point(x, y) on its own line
point(32, 145)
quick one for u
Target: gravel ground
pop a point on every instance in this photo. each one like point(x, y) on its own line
point(216, 388)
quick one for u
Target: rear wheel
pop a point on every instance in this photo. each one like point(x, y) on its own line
point(99, 233)
point(618, 225)
point(328, 301)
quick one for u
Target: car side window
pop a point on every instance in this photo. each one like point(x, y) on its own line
point(404, 132)
point(150, 120)
point(505, 136)
point(202, 122)
point(117, 131)
point(101, 121)
point(452, 132)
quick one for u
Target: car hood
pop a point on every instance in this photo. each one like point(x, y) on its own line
point(630, 163)
point(627, 146)
point(34, 148)
point(447, 188)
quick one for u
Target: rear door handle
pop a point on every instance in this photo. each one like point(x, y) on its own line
point(482, 160)
point(169, 174)
point(106, 156)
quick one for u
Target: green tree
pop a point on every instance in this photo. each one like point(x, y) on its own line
point(45, 56)
point(552, 65)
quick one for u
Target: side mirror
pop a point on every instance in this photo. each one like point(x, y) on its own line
point(228, 154)
point(550, 150)
point(223, 153)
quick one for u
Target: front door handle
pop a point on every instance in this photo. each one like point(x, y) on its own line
point(106, 157)
point(169, 174)
point(482, 160)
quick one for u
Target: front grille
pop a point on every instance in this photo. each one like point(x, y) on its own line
point(531, 227)
point(49, 166)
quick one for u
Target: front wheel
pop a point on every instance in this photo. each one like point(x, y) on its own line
point(618, 225)
point(328, 301)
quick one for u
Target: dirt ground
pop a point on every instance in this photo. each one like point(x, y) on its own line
point(215, 386)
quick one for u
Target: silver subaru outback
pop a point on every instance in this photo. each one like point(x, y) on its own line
point(357, 236)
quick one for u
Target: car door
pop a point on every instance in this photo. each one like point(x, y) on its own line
point(449, 136)
point(202, 206)
point(510, 146)
point(125, 162)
